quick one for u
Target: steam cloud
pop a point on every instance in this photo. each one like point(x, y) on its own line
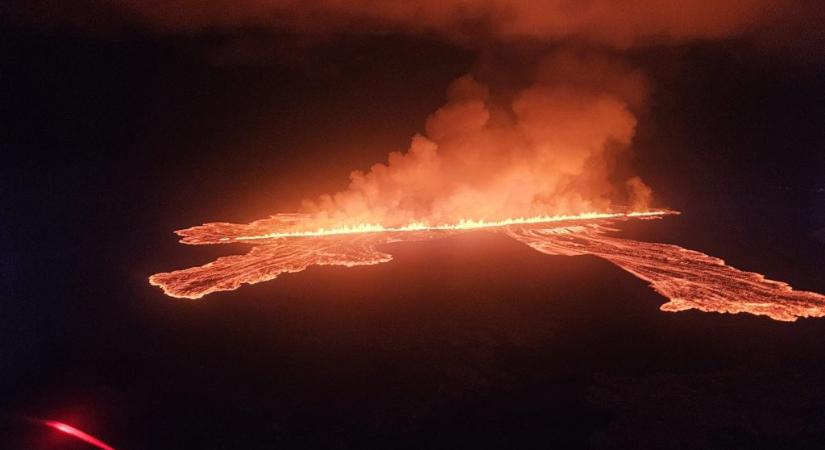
point(544, 149)
point(549, 146)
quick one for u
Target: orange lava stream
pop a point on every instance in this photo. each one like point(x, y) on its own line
point(689, 279)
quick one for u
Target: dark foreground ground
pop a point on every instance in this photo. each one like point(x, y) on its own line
point(473, 341)
point(469, 341)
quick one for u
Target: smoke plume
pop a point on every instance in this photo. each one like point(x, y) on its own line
point(545, 148)
point(550, 144)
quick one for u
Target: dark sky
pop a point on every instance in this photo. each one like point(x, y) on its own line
point(112, 140)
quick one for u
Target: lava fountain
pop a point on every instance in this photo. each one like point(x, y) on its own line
point(689, 279)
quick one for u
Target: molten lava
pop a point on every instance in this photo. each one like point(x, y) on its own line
point(689, 279)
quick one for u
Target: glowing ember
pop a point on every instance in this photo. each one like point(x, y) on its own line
point(689, 279)
point(72, 431)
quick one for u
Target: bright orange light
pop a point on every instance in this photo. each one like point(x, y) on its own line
point(72, 431)
point(463, 224)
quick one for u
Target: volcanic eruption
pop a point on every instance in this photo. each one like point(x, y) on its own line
point(537, 173)
point(539, 151)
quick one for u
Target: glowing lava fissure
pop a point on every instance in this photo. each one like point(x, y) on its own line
point(689, 279)
point(221, 232)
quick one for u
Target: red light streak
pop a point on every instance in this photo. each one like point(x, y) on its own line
point(72, 431)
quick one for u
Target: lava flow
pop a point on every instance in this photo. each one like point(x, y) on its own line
point(689, 279)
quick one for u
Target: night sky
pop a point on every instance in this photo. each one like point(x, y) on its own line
point(114, 136)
